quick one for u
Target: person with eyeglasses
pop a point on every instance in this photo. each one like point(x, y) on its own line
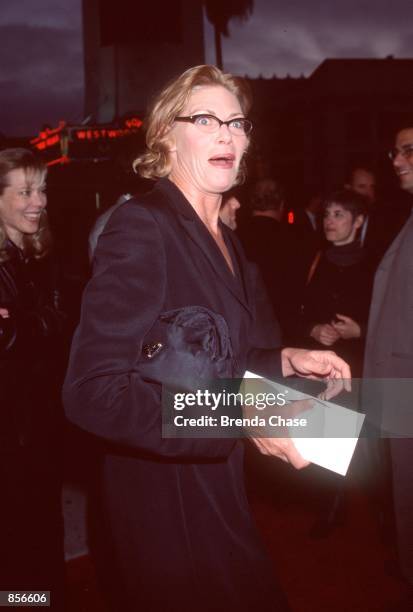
point(171, 299)
point(388, 356)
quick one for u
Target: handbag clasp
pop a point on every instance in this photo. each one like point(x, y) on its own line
point(150, 350)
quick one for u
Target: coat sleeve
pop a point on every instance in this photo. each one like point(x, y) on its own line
point(264, 354)
point(7, 325)
point(7, 335)
point(104, 392)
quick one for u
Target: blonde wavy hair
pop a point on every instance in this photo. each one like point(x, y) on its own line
point(34, 245)
point(170, 102)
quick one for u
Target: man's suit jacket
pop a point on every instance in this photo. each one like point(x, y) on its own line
point(175, 509)
point(382, 228)
point(389, 345)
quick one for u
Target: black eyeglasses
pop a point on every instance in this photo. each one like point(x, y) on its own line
point(239, 126)
point(406, 151)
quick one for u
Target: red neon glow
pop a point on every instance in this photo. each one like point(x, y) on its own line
point(61, 136)
point(44, 134)
point(60, 160)
point(47, 142)
point(97, 134)
point(52, 140)
point(290, 217)
point(133, 122)
point(50, 136)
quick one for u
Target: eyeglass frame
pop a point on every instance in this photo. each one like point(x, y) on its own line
point(405, 151)
point(192, 119)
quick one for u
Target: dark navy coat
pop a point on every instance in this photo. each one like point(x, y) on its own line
point(179, 532)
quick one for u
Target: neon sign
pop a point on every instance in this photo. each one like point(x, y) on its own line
point(48, 137)
point(133, 122)
point(58, 143)
point(97, 134)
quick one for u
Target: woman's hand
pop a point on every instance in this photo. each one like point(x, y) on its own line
point(325, 334)
point(279, 445)
point(283, 448)
point(324, 365)
point(7, 330)
point(346, 327)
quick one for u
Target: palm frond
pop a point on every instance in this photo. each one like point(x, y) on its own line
point(220, 12)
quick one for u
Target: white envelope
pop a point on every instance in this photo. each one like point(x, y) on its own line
point(340, 428)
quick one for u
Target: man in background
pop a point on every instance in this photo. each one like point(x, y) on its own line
point(389, 356)
point(379, 227)
point(273, 246)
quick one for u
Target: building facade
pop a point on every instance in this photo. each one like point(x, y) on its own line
point(310, 131)
point(132, 49)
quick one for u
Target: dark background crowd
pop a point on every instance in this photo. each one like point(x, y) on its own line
point(315, 266)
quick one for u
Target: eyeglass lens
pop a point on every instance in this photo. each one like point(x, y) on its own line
point(405, 151)
point(212, 124)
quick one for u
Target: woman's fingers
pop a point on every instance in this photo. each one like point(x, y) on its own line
point(283, 448)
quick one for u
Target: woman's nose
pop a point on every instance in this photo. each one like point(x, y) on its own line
point(224, 133)
point(38, 199)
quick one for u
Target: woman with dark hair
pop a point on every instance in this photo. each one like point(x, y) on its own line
point(30, 516)
point(335, 310)
point(337, 297)
point(171, 299)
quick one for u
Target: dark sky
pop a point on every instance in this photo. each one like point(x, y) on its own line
point(41, 66)
point(295, 36)
point(41, 73)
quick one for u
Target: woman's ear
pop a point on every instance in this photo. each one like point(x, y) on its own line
point(170, 141)
point(358, 222)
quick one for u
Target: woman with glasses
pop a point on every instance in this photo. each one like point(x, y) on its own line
point(171, 299)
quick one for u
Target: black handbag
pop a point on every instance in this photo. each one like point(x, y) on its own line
point(185, 346)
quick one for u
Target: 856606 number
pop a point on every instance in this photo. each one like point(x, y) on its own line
point(24, 598)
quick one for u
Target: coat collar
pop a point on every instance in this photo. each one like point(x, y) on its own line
point(13, 251)
point(196, 230)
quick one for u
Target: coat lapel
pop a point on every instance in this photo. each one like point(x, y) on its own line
point(198, 233)
point(384, 274)
point(242, 264)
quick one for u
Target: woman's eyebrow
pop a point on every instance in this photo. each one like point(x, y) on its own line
point(211, 112)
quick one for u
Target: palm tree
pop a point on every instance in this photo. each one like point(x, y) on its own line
point(220, 12)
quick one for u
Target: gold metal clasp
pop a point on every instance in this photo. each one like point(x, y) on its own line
point(150, 350)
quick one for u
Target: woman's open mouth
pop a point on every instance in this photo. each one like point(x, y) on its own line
point(222, 161)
